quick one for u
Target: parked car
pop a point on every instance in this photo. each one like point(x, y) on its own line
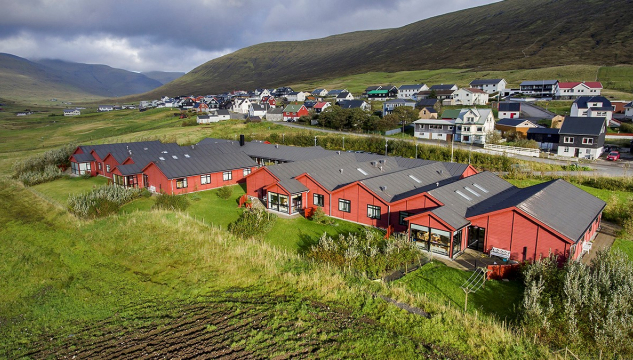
point(613, 156)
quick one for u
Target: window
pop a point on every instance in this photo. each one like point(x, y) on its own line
point(107, 168)
point(344, 205)
point(401, 219)
point(205, 179)
point(373, 212)
point(318, 200)
point(566, 149)
point(587, 141)
point(466, 128)
point(99, 166)
point(568, 139)
point(181, 183)
point(247, 172)
point(588, 151)
point(480, 129)
point(227, 175)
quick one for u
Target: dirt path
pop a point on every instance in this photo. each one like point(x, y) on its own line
point(604, 240)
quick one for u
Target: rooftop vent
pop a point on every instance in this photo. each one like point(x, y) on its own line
point(480, 188)
point(340, 170)
point(277, 146)
point(145, 149)
point(373, 163)
point(338, 152)
point(415, 179)
point(383, 188)
point(463, 195)
point(193, 147)
point(362, 171)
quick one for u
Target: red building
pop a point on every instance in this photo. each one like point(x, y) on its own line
point(293, 112)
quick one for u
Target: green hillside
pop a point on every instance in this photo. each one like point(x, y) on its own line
point(512, 34)
point(163, 77)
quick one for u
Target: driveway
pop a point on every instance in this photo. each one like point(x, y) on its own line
point(604, 240)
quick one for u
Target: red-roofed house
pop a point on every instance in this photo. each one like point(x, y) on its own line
point(571, 90)
point(321, 106)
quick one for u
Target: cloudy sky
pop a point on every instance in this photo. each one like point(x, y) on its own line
point(143, 35)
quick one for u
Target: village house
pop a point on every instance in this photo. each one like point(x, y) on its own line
point(470, 97)
point(343, 96)
point(572, 90)
point(628, 112)
point(390, 105)
point(540, 88)
point(509, 110)
point(427, 113)
point(547, 138)
point(434, 129)
point(355, 104)
point(335, 92)
point(592, 106)
point(473, 125)
point(319, 107)
point(256, 110)
point(582, 137)
point(293, 112)
point(275, 114)
point(103, 108)
point(296, 96)
point(320, 92)
point(408, 91)
point(490, 86)
point(71, 112)
point(241, 106)
point(519, 126)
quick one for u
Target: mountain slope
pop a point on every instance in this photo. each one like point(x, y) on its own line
point(100, 80)
point(506, 35)
point(163, 77)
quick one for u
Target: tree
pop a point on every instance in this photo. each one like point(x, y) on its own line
point(402, 116)
point(493, 137)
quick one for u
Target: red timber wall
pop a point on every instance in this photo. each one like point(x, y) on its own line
point(512, 230)
point(360, 198)
point(413, 205)
point(109, 160)
point(314, 188)
point(157, 179)
point(98, 161)
point(217, 180)
point(470, 170)
point(429, 221)
point(278, 189)
point(257, 181)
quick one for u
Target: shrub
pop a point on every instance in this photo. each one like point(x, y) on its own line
point(225, 192)
point(171, 202)
point(189, 122)
point(366, 252)
point(49, 173)
point(319, 216)
point(253, 223)
point(101, 201)
point(40, 163)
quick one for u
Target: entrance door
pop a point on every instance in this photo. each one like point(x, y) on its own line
point(476, 237)
point(577, 152)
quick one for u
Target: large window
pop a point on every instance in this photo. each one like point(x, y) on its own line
point(181, 183)
point(318, 200)
point(373, 212)
point(205, 179)
point(457, 242)
point(278, 202)
point(440, 241)
point(587, 141)
point(80, 168)
point(227, 175)
point(344, 205)
point(247, 172)
point(402, 217)
point(568, 140)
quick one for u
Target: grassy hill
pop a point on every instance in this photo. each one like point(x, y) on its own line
point(22, 79)
point(512, 34)
point(163, 77)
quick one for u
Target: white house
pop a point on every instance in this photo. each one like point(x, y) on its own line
point(296, 96)
point(105, 108)
point(320, 92)
point(592, 106)
point(434, 129)
point(344, 96)
point(472, 125)
point(628, 110)
point(490, 86)
point(470, 96)
point(241, 106)
point(257, 110)
point(390, 105)
point(71, 112)
point(572, 90)
point(509, 110)
point(407, 91)
point(264, 93)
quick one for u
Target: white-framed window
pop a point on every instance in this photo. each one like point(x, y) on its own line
point(587, 141)
point(568, 140)
point(566, 149)
point(247, 172)
point(100, 166)
point(107, 167)
point(205, 179)
point(344, 205)
point(227, 175)
point(318, 200)
point(373, 212)
point(181, 183)
point(588, 151)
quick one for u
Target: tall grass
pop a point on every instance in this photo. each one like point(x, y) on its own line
point(102, 201)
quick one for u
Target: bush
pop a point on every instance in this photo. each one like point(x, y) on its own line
point(588, 308)
point(225, 192)
point(171, 202)
point(49, 173)
point(189, 122)
point(319, 216)
point(40, 163)
point(366, 252)
point(101, 201)
point(253, 223)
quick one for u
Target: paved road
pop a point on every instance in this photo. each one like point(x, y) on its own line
point(537, 112)
point(600, 167)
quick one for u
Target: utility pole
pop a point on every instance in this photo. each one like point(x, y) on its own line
point(416, 147)
point(386, 146)
point(343, 143)
point(452, 148)
point(283, 138)
point(315, 141)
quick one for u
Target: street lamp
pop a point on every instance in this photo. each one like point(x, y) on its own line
point(386, 146)
point(343, 143)
point(283, 139)
point(315, 141)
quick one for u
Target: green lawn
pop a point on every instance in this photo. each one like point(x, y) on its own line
point(441, 283)
point(60, 189)
point(625, 246)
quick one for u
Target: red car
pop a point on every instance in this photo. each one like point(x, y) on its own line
point(613, 156)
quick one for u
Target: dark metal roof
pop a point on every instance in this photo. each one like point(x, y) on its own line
point(351, 104)
point(582, 125)
point(582, 101)
point(442, 87)
point(427, 102)
point(85, 157)
point(543, 131)
point(512, 122)
point(539, 82)
point(183, 166)
point(410, 87)
point(509, 106)
point(485, 81)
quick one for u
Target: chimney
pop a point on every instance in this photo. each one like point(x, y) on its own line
point(437, 184)
point(338, 152)
point(380, 168)
point(241, 140)
point(341, 171)
point(276, 146)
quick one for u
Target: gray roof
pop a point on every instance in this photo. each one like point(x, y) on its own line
point(509, 106)
point(182, 167)
point(223, 112)
point(582, 126)
point(485, 81)
point(442, 87)
point(543, 130)
point(629, 105)
point(410, 87)
point(257, 107)
point(274, 111)
point(481, 116)
point(512, 122)
point(85, 157)
point(582, 101)
point(343, 94)
point(427, 102)
point(539, 82)
point(351, 104)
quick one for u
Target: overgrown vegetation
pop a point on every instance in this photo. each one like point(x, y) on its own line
point(101, 201)
point(253, 223)
point(171, 202)
point(366, 252)
point(43, 167)
point(586, 308)
point(48, 173)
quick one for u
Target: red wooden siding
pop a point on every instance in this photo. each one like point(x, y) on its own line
point(413, 205)
point(360, 197)
point(257, 181)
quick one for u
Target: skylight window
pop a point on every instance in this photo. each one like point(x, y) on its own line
point(175, 157)
point(415, 179)
point(187, 156)
point(463, 195)
point(161, 158)
point(362, 171)
point(480, 188)
point(471, 191)
point(163, 152)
